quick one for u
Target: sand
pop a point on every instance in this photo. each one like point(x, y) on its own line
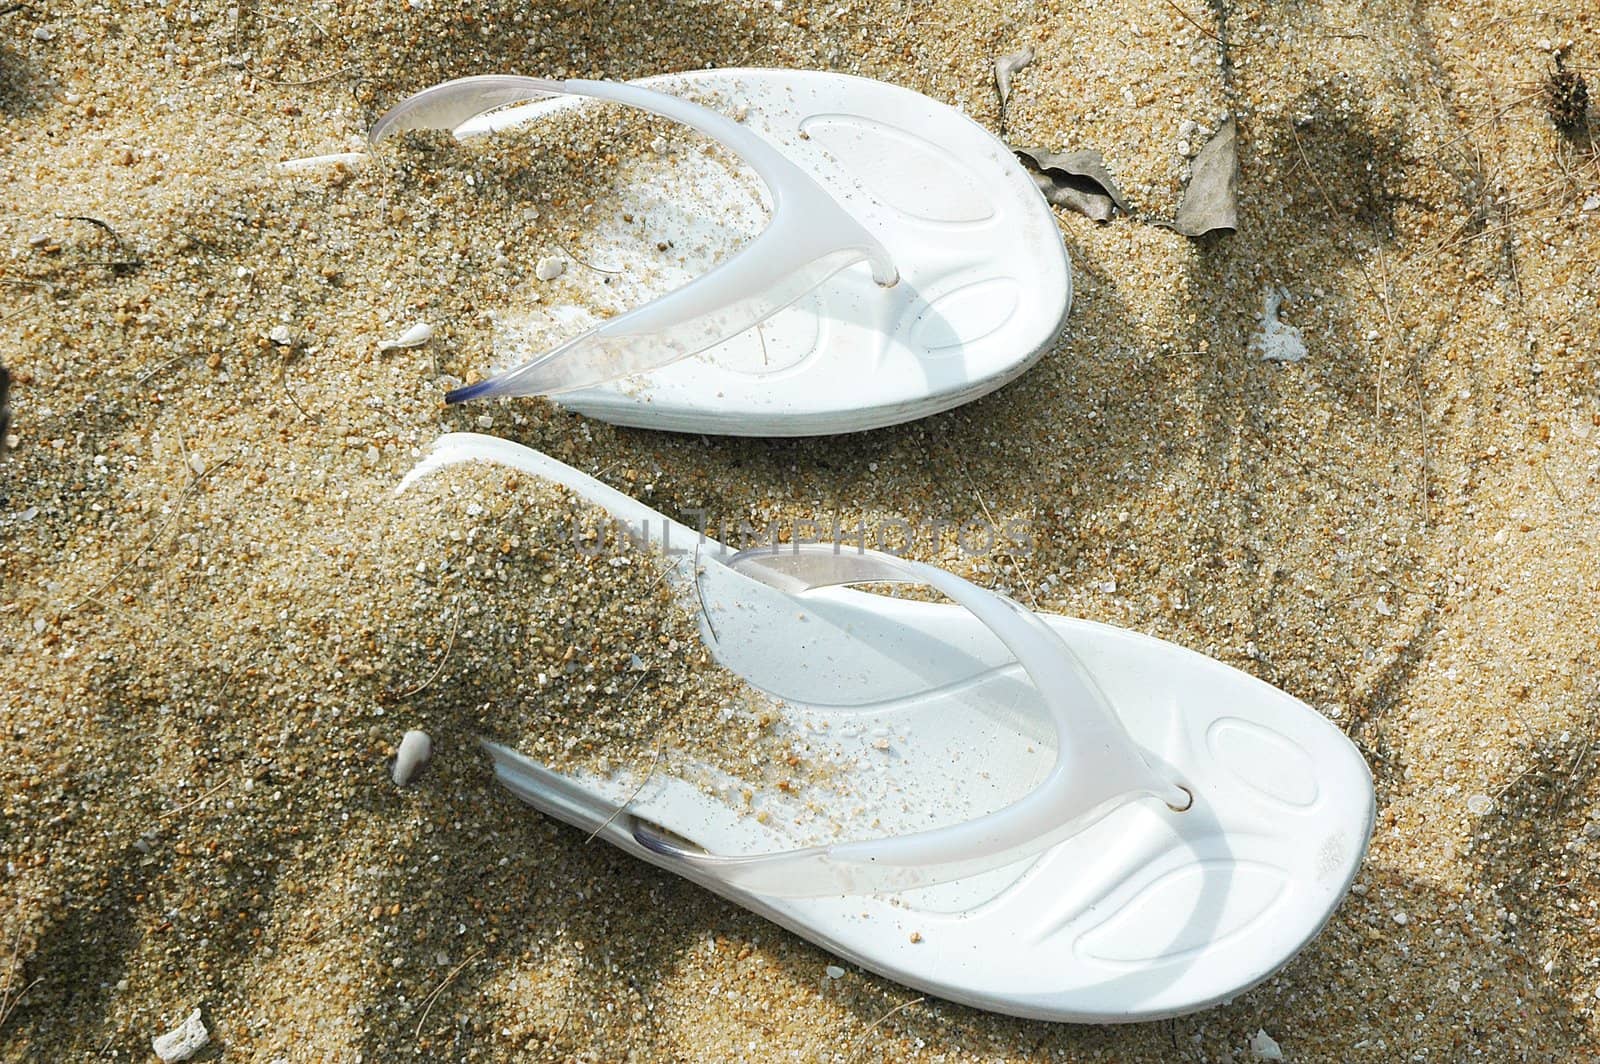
point(211, 607)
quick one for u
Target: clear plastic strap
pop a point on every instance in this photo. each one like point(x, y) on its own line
point(809, 238)
point(1097, 769)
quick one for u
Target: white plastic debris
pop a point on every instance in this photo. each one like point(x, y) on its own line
point(549, 268)
point(415, 749)
point(183, 1041)
point(1264, 1047)
point(1278, 341)
point(416, 336)
point(834, 971)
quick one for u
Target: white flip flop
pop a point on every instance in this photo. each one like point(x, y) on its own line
point(1122, 829)
point(910, 265)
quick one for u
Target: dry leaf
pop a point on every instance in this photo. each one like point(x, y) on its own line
point(1006, 66)
point(1092, 205)
point(1211, 201)
point(1076, 180)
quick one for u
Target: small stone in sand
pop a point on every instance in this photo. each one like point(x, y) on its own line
point(183, 1041)
point(1480, 804)
point(549, 268)
point(415, 749)
point(834, 971)
point(1264, 1047)
point(1278, 341)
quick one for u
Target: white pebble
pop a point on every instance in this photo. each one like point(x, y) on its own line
point(183, 1041)
point(549, 268)
point(1592, 203)
point(197, 464)
point(38, 240)
point(416, 336)
point(1264, 1047)
point(834, 971)
point(1480, 805)
point(280, 335)
point(415, 749)
point(1402, 919)
point(44, 33)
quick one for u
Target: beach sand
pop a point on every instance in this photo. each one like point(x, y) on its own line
point(216, 619)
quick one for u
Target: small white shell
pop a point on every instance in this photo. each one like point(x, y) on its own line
point(549, 268)
point(183, 1041)
point(416, 336)
point(415, 749)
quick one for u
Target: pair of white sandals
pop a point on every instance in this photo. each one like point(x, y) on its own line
point(1175, 830)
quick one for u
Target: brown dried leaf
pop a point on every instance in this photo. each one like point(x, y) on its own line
point(1211, 201)
point(1076, 180)
point(1095, 206)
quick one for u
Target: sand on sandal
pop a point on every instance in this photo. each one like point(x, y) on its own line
point(216, 621)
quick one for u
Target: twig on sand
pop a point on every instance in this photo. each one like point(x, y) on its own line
point(118, 266)
point(8, 1000)
point(1190, 19)
point(455, 624)
point(431, 999)
point(195, 481)
point(319, 79)
point(1572, 773)
point(855, 1044)
point(654, 760)
point(581, 262)
point(194, 801)
point(994, 527)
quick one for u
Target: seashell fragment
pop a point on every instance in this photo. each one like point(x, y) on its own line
point(416, 336)
point(415, 749)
